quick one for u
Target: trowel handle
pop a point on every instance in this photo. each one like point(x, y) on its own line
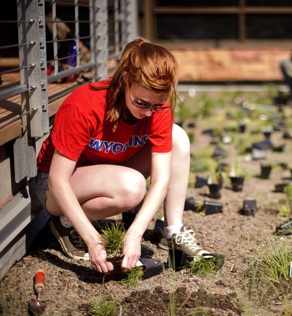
point(39, 281)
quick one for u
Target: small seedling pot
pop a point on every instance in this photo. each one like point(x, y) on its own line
point(267, 133)
point(280, 149)
point(178, 260)
point(280, 187)
point(158, 230)
point(242, 127)
point(219, 152)
point(200, 182)
point(287, 135)
point(146, 252)
point(262, 145)
point(151, 267)
point(249, 207)
point(284, 228)
point(214, 191)
point(190, 204)
point(265, 171)
point(237, 183)
point(212, 207)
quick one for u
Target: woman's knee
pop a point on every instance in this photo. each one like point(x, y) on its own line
point(134, 188)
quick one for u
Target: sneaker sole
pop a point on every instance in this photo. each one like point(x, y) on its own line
point(163, 246)
point(63, 246)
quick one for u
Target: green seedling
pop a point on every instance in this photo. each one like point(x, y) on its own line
point(202, 267)
point(100, 306)
point(113, 237)
point(133, 277)
point(285, 208)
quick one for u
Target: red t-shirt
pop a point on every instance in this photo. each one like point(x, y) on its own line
point(82, 134)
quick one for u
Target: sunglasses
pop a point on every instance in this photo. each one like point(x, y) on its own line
point(145, 105)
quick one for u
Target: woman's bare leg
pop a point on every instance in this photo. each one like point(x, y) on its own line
point(179, 177)
point(104, 190)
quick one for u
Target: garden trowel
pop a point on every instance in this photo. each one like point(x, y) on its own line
point(37, 306)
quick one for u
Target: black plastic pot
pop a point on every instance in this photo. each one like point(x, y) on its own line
point(211, 207)
point(214, 191)
point(284, 228)
point(146, 252)
point(249, 207)
point(242, 127)
point(237, 183)
point(200, 182)
point(158, 230)
point(280, 187)
point(265, 171)
point(151, 267)
point(190, 204)
point(264, 144)
point(267, 134)
point(178, 260)
point(280, 148)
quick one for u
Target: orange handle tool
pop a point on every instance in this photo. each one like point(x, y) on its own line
point(39, 281)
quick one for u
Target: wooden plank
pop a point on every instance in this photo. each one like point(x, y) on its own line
point(5, 171)
point(8, 62)
point(10, 126)
point(10, 132)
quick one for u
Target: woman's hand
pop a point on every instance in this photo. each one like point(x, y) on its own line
point(131, 251)
point(98, 257)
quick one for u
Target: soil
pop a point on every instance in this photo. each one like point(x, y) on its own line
point(241, 239)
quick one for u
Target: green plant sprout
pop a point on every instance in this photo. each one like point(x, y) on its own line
point(215, 174)
point(285, 207)
point(202, 267)
point(133, 277)
point(236, 169)
point(100, 306)
point(276, 265)
point(113, 237)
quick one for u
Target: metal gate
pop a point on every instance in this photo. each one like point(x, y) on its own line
point(59, 46)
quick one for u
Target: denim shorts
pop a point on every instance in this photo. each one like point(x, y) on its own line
point(40, 186)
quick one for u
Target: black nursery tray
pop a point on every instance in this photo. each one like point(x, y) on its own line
point(211, 207)
point(284, 228)
point(151, 267)
point(178, 260)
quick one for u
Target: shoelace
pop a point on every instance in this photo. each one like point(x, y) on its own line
point(78, 241)
point(188, 239)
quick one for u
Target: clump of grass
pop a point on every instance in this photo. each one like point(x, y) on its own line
point(269, 274)
point(100, 306)
point(276, 262)
point(203, 267)
point(285, 207)
point(113, 237)
point(133, 277)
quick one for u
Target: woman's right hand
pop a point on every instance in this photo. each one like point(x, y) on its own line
point(98, 257)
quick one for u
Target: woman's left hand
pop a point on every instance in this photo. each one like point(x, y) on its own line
point(131, 251)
